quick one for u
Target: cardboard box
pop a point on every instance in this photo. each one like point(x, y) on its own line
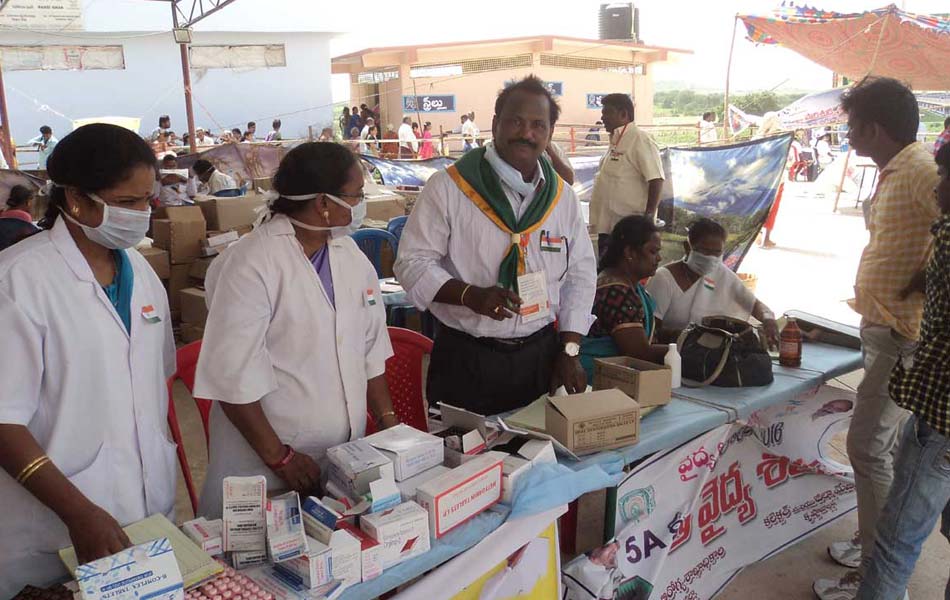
point(285, 532)
point(582, 527)
point(371, 557)
point(243, 513)
point(410, 450)
point(148, 570)
point(403, 532)
point(219, 239)
point(223, 214)
point(462, 493)
point(191, 332)
point(158, 260)
point(648, 383)
point(177, 281)
point(587, 423)
point(408, 487)
point(354, 465)
point(199, 269)
point(206, 534)
point(181, 233)
point(194, 309)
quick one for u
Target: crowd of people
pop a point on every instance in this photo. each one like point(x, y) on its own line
point(295, 343)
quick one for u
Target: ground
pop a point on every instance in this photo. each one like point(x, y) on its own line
point(811, 269)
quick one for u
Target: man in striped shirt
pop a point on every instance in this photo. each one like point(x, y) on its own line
point(882, 120)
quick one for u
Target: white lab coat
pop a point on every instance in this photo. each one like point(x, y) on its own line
point(93, 397)
point(272, 335)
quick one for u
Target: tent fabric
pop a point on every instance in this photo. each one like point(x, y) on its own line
point(886, 42)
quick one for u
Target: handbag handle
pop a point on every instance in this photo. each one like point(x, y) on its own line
point(719, 368)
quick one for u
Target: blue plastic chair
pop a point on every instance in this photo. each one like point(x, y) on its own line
point(231, 193)
point(371, 242)
point(396, 225)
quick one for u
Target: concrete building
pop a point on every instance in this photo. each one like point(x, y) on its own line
point(443, 81)
point(249, 62)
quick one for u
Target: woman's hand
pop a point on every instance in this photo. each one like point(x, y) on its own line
point(301, 474)
point(95, 534)
point(388, 420)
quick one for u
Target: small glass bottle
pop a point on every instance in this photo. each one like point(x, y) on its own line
point(790, 345)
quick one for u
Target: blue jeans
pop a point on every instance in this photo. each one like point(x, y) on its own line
point(920, 493)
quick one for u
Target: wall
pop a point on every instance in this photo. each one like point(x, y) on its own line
point(151, 85)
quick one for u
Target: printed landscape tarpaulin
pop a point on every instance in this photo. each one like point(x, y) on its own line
point(885, 42)
point(407, 172)
point(689, 519)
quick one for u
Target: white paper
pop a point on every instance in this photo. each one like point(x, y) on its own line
point(533, 289)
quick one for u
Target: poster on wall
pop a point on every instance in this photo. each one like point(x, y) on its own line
point(429, 104)
point(50, 15)
point(688, 520)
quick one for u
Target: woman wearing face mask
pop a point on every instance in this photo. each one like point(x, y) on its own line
point(624, 309)
point(89, 346)
point(295, 345)
point(701, 286)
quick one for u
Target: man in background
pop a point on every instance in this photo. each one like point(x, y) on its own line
point(176, 189)
point(274, 135)
point(944, 136)
point(631, 176)
point(164, 126)
point(44, 144)
point(250, 131)
point(408, 146)
point(212, 180)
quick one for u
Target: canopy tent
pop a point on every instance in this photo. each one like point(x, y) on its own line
point(887, 42)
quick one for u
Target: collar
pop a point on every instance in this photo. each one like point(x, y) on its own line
point(511, 176)
point(65, 244)
point(906, 156)
point(618, 134)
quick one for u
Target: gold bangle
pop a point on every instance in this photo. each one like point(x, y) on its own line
point(386, 414)
point(32, 468)
point(462, 297)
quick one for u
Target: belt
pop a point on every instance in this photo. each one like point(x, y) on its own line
point(503, 344)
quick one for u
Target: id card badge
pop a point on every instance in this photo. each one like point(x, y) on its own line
point(533, 289)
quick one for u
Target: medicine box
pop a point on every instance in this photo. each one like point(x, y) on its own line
point(410, 450)
point(403, 532)
point(455, 497)
point(148, 570)
point(285, 530)
point(206, 534)
point(313, 568)
point(243, 518)
point(354, 465)
point(371, 557)
point(408, 487)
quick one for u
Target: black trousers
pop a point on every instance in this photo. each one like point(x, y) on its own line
point(489, 376)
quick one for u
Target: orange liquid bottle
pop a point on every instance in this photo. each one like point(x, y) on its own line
point(790, 345)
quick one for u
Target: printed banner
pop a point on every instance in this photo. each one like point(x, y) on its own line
point(814, 110)
point(244, 162)
point(688, 520)
point(406, 172)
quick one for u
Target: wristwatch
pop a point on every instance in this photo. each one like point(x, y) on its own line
point(572, 349)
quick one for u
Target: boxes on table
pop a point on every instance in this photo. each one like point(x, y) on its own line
point(402, 531)
point(408, 487)
point(243, 517)
point(223, 214)
point(285, 530)
point(456, 496)
point(648, 383)
point(206, 534)
point(148, 570)
point(250, 558)
point(355, 464)
point(587, 423)
point(522, 458)
point(371, 557)
point(180, 233)
point(159, 261)
point(410, 450)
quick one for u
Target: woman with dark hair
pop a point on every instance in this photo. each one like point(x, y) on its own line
point(624, 309)
point(19, 204)
point(295, 344)
point(700, 285)
point(84, 403)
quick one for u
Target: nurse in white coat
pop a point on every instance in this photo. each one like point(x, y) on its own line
point(87, 347)
point(295, 344)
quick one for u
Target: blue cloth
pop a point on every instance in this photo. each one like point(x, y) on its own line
point(604, 346)
point(547, 486)
point(120, 290)
point(919, 495)
point(321, 263)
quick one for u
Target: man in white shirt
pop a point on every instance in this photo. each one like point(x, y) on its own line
point(370, 123)
point(496, 248)
point(202, 138)
point(408, 145)
point(212, 180)
point(631, 176)
point(476, 132)
point(176, 189)
point(707, 128)
point(469, 140)
point(164, 126)
point(274, 135)
point(44, 144)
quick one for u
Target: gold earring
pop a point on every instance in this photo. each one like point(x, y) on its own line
point(326, 215)
point(74, 210)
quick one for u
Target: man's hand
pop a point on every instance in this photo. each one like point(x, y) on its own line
point(569, 373)
point(492, 302)
point(301, 474)
point(771, 332)
point(95, 534)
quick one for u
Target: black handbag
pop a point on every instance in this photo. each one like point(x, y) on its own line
point(724, 352)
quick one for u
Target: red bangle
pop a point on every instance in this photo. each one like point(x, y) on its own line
point(289, 456)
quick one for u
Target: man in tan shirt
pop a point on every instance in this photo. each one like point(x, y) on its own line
point(882, 123)
point(631, 173)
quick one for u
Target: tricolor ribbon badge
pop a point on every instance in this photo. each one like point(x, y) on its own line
point(370, 297)
point(149, 314)
point(550, 244)
point(709, 283)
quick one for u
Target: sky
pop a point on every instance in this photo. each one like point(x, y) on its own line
point(705, 27)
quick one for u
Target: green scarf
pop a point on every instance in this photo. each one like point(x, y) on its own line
point(479, 182)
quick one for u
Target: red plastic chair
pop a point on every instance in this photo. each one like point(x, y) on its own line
point(187, 362)
point(404, 378)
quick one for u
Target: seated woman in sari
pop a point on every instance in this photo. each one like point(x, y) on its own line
point(624, 309)
point(701, 286)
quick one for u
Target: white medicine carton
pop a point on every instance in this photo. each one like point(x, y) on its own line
point(402, 531)
point(243, 513)
point(206, 534)
point(355, 464)
point(457, 496)
point(410, 450)
point(148, 570)
point(285, 529)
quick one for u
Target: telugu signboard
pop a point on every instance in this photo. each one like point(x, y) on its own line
point(42, 15)
point(429, 104)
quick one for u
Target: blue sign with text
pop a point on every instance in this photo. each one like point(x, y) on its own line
point(429, 104)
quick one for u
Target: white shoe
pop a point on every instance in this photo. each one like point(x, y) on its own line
point(845, 588)
point(846, 553)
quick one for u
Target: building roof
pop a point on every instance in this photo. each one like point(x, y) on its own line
point(373, 58)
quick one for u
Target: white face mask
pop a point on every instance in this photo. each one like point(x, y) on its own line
point(121, 228)
point(357, 214)
point(702, 263)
